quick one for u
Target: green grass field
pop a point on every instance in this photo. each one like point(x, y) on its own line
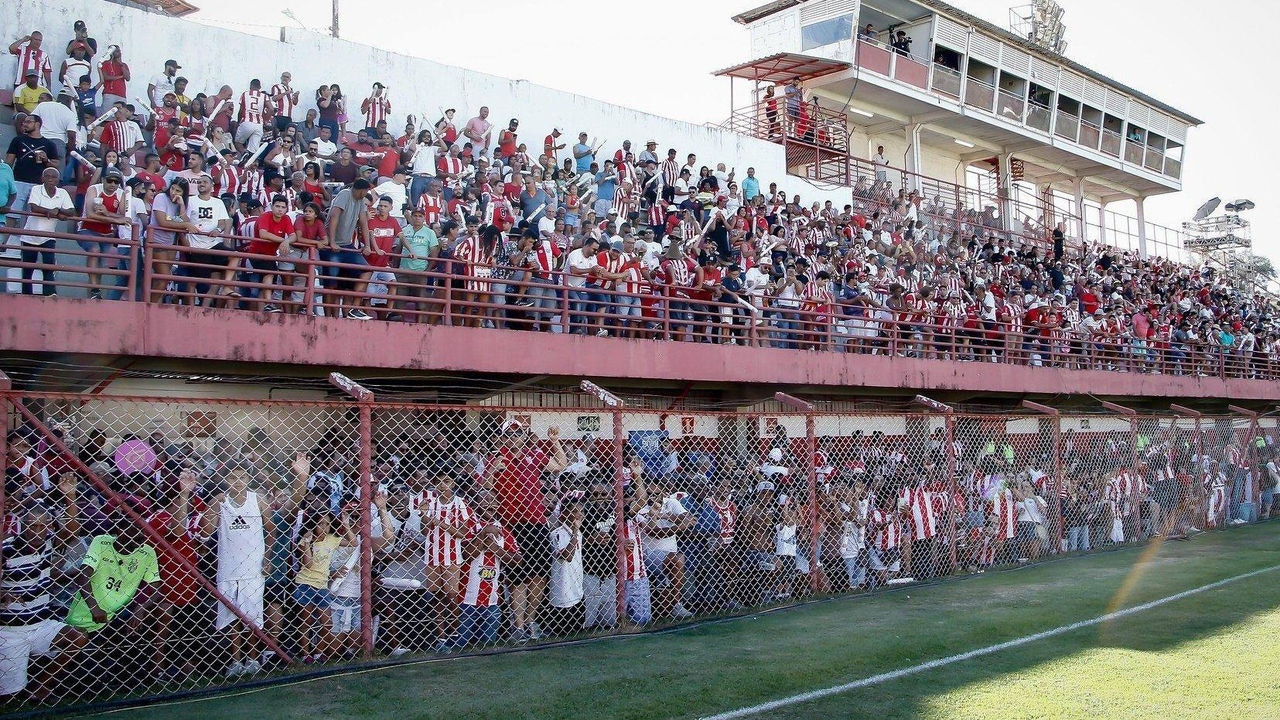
point(1216, 653)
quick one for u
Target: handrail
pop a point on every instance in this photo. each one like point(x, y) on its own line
point(667, 313)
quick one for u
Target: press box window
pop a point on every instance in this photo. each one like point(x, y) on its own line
point(826, 32)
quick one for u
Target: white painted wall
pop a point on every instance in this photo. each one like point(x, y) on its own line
point(212, 56)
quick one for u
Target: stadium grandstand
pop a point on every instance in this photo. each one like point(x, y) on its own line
point(295, 378)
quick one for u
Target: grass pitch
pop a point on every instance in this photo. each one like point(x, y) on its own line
point(1211, 654)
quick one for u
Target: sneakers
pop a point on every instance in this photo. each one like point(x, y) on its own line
point(535, 632)
point(602, 333)
point(95, 294)
point(442, 645)
point(252, 667)
point(680, 612)
point(398, 652)
point(270, 309)
point(519, 636)
point(236, 670)
point(358, 314)
point(524, 302)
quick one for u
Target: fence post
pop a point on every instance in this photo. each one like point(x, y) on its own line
point(364, 400)
point(619, 502)
point(1196, 481)
point(810, 447)
point(949, 437)
point(1057, 465)
point(147, 262)
point(1251, 459)
point(1131, 415)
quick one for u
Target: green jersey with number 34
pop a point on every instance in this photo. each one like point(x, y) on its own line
point(115, 581)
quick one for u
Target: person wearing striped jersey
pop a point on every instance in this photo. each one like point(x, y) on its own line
point(487, 548)
point(884, 525)
point(285, 99)
point(446, 522)
point(31, 58)
point(253, 111)
point(28, 627)
point(919, 528)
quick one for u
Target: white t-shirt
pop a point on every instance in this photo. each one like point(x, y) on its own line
point(580, 261)
point(325, 147)
point(139, 213)
point(56, 120)
point(206, 214)
point(398, 193)
point(671, 508)
point(60, 200)
point(424, 160)
point(566, 575)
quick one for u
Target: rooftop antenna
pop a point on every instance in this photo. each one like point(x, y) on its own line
point(1041, 24)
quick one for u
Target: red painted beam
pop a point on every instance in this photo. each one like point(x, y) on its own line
point(34, 324)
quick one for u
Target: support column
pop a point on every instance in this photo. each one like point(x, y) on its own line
point(1102, 222)
point(913, 156)
point(1077, 190)
point(1142, 226)
point(1004, 193)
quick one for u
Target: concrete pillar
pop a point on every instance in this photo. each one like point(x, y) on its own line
point(1142, 226)
point(914, 164)
point(1005, 191)
point(1102, 222)
point(1077, 189)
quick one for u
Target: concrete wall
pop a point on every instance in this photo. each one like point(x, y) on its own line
point(213, 56)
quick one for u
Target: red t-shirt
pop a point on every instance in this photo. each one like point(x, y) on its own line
point(519, 487)
point(390, 160)
point(268, 222)
point(382, 234)
point(177, 584)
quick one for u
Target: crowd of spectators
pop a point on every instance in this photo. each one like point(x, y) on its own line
point(508, 537)
point(465, 222)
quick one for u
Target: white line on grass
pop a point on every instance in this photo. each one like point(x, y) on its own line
point(952, 659)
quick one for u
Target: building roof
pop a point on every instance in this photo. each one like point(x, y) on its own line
point(942, 8)
point(784, 67)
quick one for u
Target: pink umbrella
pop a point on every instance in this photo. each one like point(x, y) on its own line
point(135, 456)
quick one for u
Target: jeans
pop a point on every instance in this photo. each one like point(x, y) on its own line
point(856, 571)
point(1078, 538)
point(122, 281)
point(417, 187)
point(639, 601)
point(581, 303)
point(544, 298)
point(479, 623)
point(601, 600)
point(43, 251)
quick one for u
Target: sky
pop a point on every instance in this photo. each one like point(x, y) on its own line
point(658, 56)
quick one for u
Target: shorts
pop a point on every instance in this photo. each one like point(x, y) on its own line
point(262, 263)
point(627, 305)
point(293, 254)
point(18, 644)
point(378, 283)
point(247, 595)
point(346, 256)
point(199, 259)
point(655, 565)
point(759, 561)
point(1026, 532)
point(890, 559)
point(96, 242)
point(639, 602)
point(534, 542)
point(344, 614)
point(309, 596)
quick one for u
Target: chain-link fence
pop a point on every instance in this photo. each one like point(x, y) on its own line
point(155, 546)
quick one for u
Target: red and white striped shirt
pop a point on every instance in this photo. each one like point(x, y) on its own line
point(253, 106)
point(283, 98)
point(474, 253)
point(479, 586)
point(1234, 457)
point(450, 166)
point(1005, 511)
point(442, 547)
point(920, 515)
point(888, 529)
point(121, 135)
point(431, 207)
point(30, 58)
point(635, 552)
point(375, 110)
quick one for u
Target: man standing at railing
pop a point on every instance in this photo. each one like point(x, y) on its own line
point(881, 164)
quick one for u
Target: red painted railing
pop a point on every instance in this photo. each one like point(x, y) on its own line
point(314, 286)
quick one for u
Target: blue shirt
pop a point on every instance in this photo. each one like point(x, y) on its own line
point(750, 187)
point(584, 162)
point(606, 189)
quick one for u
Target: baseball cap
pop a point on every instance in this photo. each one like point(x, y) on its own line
point(616, 245)
point(172, 62)
point(765, 486)
point(31, 73)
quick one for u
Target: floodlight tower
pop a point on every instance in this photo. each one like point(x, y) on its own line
point(1040, 23)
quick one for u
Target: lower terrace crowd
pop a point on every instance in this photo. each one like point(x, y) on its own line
point(240, 204)
point(508, 537)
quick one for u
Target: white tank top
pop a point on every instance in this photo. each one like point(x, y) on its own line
point(241, 540)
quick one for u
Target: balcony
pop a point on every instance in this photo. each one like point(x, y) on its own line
point(979, 95)
point(945, 81)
